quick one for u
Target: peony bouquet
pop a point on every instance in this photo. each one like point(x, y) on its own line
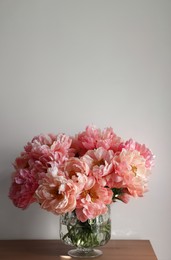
point(82, 173)
point(78, 177)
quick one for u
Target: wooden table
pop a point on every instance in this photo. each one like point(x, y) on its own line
point(55, 249)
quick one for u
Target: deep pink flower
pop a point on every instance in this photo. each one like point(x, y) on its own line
point(42, 150)
point(33, 163)
point(46, 148)
point(23, 187)
point(109, 140)
point(93, 138)
point(22, 162)
point(86, 140)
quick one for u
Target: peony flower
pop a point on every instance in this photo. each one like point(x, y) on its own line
point(93, 201)
point(130, 172)
point(23, 187)
point(33, 163)
point(93, 138)
point(131, 145)
point(77, 171)
point(46, 148)
point(100, 163)
point(22, 162)
point(42, 150)
point(86, 140)
point(56, 193)
point(109, 140)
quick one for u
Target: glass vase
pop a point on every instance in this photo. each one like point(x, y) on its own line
point(85, 236)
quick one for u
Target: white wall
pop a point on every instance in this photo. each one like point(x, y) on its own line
point(67, 64)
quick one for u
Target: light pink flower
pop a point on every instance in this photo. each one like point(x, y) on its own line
point(130, 172)
point(92, 201)
point(23, 188)
point(100, 163)
point(56, 193)
point(76, 170)
point(131, 145)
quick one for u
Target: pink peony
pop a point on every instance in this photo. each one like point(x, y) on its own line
point(131, 145)
point(42, 150)
point(33, 163)
point(100, 163)
point(86, 140)
point(56, 193)
point(109, 140)
point(130, 172)
point(23, 187)
point(46, 148)
point(77, 171)
point(93, 201)
point(93, 138)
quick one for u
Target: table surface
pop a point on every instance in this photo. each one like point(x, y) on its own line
point(55, 249)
